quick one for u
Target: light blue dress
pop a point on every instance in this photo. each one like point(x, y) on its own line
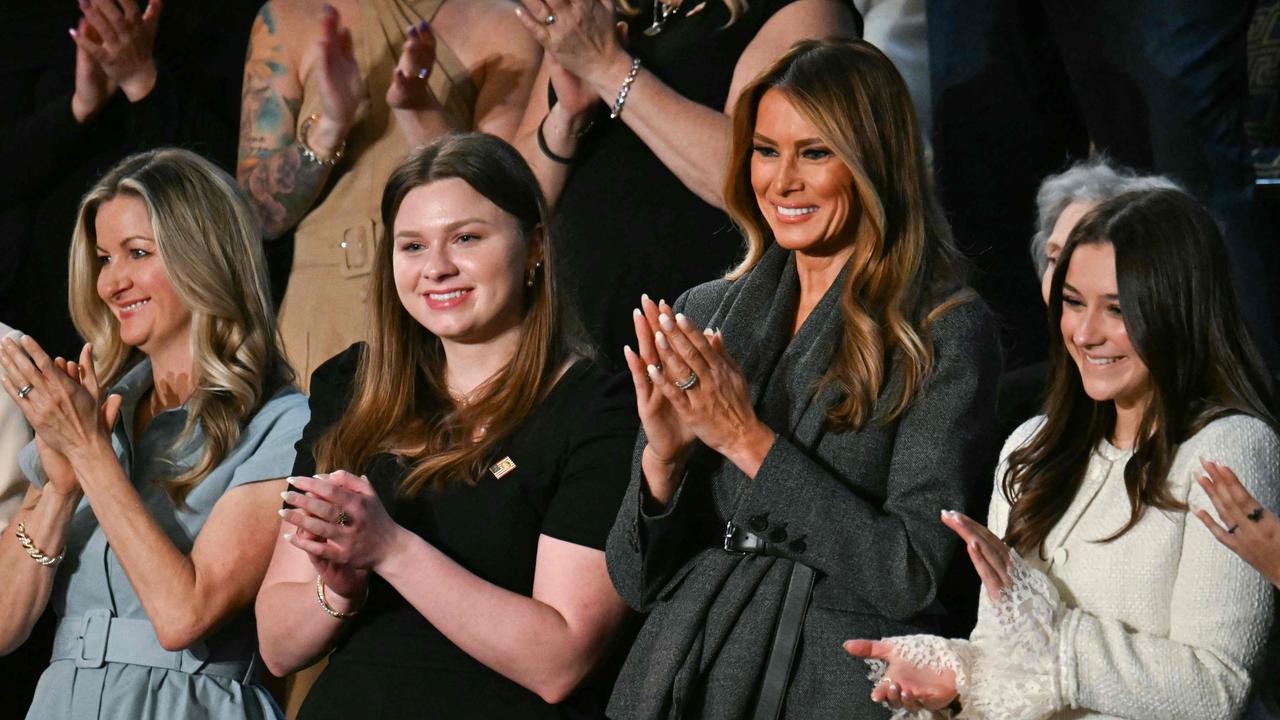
point(107, 662)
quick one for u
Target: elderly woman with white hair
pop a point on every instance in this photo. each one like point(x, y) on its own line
point(1060, 203)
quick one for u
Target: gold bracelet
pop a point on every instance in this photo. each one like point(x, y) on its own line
point(308, 153)
point(329, 609)
point(36, 553)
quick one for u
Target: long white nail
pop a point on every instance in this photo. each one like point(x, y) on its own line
point(665, 321)
point(661, 339)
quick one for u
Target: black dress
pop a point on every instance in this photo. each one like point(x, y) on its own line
point(624, 223)
point(572, 462)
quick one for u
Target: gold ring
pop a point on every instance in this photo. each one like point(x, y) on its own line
point(343, 518)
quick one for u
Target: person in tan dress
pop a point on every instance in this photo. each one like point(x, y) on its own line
point(335, 95)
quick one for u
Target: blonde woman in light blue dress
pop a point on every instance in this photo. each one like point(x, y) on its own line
point(152, 511)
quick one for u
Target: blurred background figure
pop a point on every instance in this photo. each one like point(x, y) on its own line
point(335, 95)
point(1021, 89)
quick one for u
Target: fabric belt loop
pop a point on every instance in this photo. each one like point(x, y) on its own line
point(777, 673)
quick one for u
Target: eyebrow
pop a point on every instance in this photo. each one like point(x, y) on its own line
point(127, 240)
point(447, 228)
point(804, 142)
point(1066, 286)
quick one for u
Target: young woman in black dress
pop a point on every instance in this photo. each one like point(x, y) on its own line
point(444, 536)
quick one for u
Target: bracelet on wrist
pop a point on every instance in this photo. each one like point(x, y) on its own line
point(329, 609)
point(36, 553)
point(546, 150)
point(621, 102)
point(308, 154)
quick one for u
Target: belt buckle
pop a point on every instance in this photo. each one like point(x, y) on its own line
point(730, 530)
point(94, 630)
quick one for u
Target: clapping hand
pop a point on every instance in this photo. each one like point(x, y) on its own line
point(1252, 531)
point(342, 88)
point(409, 89)
point(905, 685)
point(119, 39)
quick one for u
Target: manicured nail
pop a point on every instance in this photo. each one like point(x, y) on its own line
point(637, 312)
point(413, 31)
point(661, 339)
point(709, 332)
point(645, 297)
point(665, 321)
point(626, 350)
point(280, 512)
point(682, 321)
point(288, 537)
point(285, 494)
point(652, 370)
point(422, 26)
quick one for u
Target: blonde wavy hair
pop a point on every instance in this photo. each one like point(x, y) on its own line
point(209, 240)
point(905, 270)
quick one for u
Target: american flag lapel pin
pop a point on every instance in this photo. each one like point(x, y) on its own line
point(503, 466)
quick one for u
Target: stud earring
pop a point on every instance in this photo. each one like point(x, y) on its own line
point(533, 272)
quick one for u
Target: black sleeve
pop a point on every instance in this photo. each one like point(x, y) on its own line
point(45, 144)
point(597, 462)
point(331, 388)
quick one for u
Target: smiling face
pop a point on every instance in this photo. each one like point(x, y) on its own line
point(804, 191)
point(1095, 335)
point(133, 281)
point(460, 263)
point(1067, 220)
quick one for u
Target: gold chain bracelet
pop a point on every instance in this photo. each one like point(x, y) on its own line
point(36, 553)
point(329, 609)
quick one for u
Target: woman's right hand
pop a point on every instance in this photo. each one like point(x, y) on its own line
point(669, 438)
point(342, 88)
point(58, 471)
point(93, 86)
point(904, 685)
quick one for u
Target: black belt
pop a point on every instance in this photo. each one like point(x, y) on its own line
point(786, 634)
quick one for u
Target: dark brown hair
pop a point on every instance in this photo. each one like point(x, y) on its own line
point(1181, 315)
point(400, 399)
point(905, 271)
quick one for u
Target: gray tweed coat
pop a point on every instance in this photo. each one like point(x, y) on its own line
point(861, 508)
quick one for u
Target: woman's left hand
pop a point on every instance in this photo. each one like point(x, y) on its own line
point(344, 520)
point(582, 35)
point(61, 410)
point(714, 401)
point(1252, 531)
point(990, 556)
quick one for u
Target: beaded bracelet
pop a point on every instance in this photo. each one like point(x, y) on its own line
point(626, 88)
point(36, 553)
point(329, 609)
point(309, 154)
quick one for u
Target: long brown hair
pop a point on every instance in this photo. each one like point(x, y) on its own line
point(905, 271)
point(1181, 315)
point(400, 398)
point(210, 242)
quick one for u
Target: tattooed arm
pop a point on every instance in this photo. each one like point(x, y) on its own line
point(280, 182)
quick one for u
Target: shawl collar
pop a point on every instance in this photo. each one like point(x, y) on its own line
point(782, 372)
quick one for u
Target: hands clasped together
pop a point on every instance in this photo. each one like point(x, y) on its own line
point(114, 44)
point(342, 525)
point(61, 400)
point(688, 388)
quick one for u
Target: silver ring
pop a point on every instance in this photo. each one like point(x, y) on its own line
point(688, 382)
point(25, 391)
point(549, 20)
point(423, 73)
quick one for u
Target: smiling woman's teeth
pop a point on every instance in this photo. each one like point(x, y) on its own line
point(1102, 361)
point(446, 296)
point(135, 306)
point(795, 212)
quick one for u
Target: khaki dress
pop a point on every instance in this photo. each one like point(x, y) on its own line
point(326, 307)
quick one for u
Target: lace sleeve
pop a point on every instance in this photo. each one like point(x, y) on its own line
point(1009, 671)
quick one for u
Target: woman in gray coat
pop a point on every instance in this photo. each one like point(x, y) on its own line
point(807, 418)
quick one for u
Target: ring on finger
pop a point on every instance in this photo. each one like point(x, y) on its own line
point(1256, 514)
point(343, 518)
point(687, 383)
point(1232, 530)
point(423, 73)
point(25, 390)
point(549, 20)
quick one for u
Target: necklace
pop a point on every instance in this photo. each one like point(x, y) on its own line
point(662, 11)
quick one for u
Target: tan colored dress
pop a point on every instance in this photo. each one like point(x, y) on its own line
point(326, 307)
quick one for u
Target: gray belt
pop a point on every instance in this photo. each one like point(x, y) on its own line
point(96, 638)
